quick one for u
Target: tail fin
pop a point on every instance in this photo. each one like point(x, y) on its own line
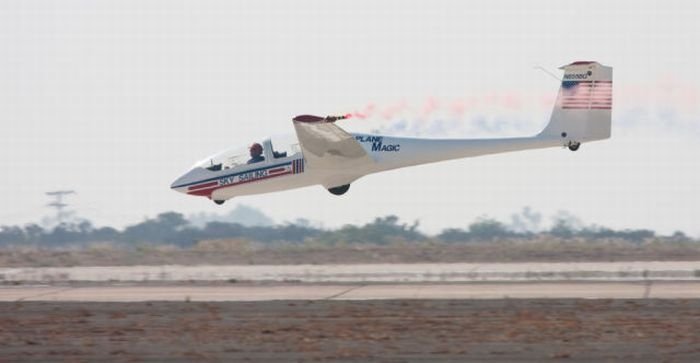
point(584, 104)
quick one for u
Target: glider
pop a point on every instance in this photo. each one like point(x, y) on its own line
point(325, 154)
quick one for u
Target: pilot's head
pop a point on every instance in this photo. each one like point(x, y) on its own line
point(256, 149)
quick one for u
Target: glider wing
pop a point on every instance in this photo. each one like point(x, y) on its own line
point(326, 146)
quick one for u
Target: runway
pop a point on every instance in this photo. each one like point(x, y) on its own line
point(364, 273)
point(300, 291)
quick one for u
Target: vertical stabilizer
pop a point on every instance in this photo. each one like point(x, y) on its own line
point(584, 104)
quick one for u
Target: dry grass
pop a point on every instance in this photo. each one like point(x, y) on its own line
point(236, 251)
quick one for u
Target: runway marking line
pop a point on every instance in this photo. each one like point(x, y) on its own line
point(647, 289)
point(46, 293)
point(352, 288)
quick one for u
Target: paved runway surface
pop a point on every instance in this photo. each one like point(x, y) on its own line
point(269, 292)
point(360, 273)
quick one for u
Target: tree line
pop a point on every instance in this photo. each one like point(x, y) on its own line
point(174, 229)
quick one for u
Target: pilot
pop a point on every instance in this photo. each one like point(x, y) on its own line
point(256, 156)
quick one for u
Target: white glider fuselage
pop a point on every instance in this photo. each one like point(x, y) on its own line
point(387, 153)
point(398, 152)
point(327, 155)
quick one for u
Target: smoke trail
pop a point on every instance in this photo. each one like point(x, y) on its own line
point(393, 111)
point(431, 105)
point(675, 103)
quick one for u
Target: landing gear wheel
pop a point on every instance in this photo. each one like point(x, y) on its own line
point(573, 146)
point(219, 202)
point(339, 190)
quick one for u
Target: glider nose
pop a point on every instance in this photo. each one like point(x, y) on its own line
point(179, 185)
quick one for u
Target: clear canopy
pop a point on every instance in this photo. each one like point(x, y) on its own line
point(284, 146)
point(274, 148)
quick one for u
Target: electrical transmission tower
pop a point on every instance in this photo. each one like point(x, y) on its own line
point(59, 204)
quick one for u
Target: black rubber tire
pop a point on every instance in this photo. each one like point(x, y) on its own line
point(574, 147)
point(339, 190)
point(219, 202)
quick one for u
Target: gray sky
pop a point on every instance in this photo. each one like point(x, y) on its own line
point(117, 98)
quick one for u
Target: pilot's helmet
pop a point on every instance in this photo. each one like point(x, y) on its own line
point(256, 149)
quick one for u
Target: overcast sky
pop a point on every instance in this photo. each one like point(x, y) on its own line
point(115, 99)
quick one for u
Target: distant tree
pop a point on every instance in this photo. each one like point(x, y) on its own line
point(171, 220)
point(105, 234)
point(596, 233)
point(562, 229)
point(219, 230)
point(34, 233)
point(10, 235)
point(64, 234)
point(526, 222)
point(680, 236)
point(164, 228)
point(296, 233)
point(483, 229)
point(454, 235)
point(487, 229)
point(380, 231)
point(636, 235)
point(565, 225)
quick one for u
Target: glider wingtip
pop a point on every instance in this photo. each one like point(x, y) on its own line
point(314, 119)
point(308, 118)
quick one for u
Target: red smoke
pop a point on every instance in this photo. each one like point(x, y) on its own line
point(430, 106)
point(366, 112)
point(394, 110)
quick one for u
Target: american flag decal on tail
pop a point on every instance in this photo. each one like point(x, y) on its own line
point(298, 166)
point(586, 95)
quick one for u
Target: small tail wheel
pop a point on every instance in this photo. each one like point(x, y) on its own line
point(573, 146)
point(219, 202)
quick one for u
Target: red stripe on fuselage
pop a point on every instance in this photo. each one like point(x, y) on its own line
point(207, 192)
point(200, 186)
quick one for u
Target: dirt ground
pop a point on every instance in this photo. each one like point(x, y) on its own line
point(352, 331)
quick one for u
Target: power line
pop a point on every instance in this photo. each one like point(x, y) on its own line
point(58, 204)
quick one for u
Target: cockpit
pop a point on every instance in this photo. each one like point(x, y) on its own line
point(266, 151)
